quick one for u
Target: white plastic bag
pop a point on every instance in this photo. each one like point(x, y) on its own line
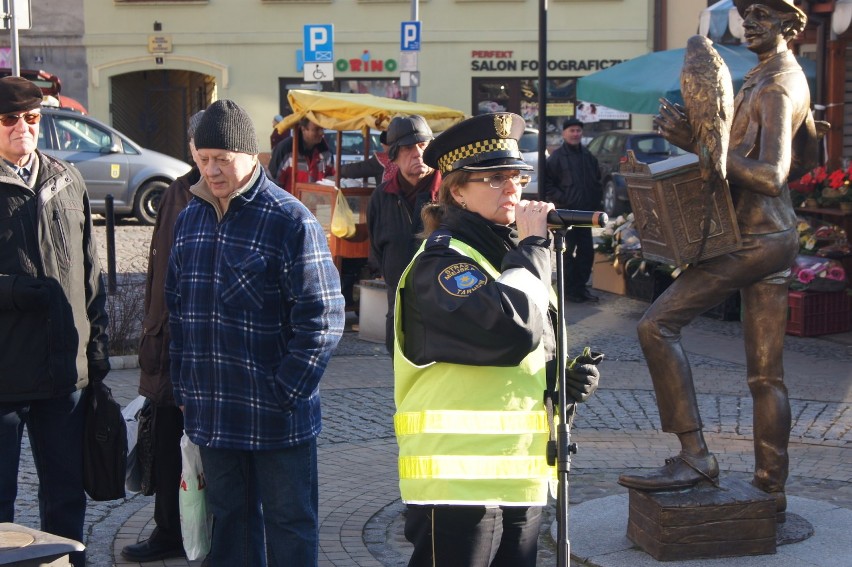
point(194, 520)
point(133, 480)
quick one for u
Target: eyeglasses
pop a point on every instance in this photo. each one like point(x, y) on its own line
point(498, 181)
point(9, 120)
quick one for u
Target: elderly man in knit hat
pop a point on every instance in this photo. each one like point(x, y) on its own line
point(53, 320)
point(255, 312)
point(773, 138)
point(154, 380)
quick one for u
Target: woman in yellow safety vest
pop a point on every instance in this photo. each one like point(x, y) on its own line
point(473, 347)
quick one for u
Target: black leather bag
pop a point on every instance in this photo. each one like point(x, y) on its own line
point(145, 446)
point(104, 445)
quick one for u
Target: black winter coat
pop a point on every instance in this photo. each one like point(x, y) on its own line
point(572, 179)
point(46, 239)
point(154, 379)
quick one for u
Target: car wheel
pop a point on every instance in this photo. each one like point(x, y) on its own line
point(611, 205)
point(148, 201)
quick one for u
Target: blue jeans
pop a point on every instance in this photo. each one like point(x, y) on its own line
point(55, 429)
point(284, 483)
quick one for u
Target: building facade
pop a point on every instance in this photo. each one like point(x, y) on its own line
point(152, 63)
point(53, 43)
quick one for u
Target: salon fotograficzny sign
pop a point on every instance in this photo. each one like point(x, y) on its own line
point(491, 60)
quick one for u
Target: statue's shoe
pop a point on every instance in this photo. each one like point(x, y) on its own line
point(681, 471)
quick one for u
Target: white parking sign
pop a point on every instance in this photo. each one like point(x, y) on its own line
point(319, 43)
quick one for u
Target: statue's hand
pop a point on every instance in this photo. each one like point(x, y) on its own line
point(674, 125)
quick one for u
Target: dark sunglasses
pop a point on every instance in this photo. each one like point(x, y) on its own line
point(12, 119)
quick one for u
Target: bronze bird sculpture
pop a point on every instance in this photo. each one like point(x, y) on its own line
point(708, 97)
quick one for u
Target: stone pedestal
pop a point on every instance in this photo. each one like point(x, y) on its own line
point(25, 547)
point(705, 521)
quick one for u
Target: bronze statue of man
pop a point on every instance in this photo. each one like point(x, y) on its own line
point(772, 137)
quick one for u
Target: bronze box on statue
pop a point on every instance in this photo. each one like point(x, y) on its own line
point(669, 210)
point(702, 522)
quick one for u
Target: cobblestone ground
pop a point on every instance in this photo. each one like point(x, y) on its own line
point(358, 422)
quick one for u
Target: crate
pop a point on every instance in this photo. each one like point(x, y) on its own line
point(669, 204)
point(606, 277)
point(728, 310)
point(818, 313)
point(647, 285)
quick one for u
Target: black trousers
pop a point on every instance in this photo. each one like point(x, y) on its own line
point(579, 257)
point(168, 429)
point(473, 536)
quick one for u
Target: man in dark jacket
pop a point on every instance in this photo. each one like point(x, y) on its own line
point(154, 380)
point(393, 216)
point(53, 320)
point(572, 180)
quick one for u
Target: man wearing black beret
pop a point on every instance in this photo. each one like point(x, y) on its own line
point(53, 321)
point(572, 180)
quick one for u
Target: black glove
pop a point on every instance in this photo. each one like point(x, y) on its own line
point(98, 369)
point(29, 293)
point(583, 375)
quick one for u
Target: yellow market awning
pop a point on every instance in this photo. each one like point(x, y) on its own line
point(351, 111)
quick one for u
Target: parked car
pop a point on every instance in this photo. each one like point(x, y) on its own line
point(110, 163)
point(610, 148)
point(528, 144)
point(50, 86)
point(352, 146)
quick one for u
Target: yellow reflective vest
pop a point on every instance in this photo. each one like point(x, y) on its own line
point(470, 435)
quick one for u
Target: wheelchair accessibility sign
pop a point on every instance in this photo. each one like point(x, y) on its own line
point(319, 72)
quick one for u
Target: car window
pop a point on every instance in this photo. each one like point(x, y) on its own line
point(353, 143)
point(657, 145)
point(595, 144)
point(81, 136)
point(610, 143)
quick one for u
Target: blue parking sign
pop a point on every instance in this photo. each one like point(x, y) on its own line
point(410, 36)
point(319, 43)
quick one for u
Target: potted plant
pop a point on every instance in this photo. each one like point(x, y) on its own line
point(804, 192)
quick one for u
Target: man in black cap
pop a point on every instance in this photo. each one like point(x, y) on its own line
point(255, 312)
point(572, 180)
point(53, 320)
point(393, 216)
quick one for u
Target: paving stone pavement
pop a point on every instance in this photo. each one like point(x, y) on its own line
point(618, 429)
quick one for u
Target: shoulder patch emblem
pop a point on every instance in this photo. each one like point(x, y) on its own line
point(462, 279)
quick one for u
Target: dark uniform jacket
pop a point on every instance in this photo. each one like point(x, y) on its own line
point(494, 325)
point(154, 381)
point(572, 179)
point(46, 234)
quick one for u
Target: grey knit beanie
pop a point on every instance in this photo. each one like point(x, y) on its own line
point(226, 126)
point(194, 121)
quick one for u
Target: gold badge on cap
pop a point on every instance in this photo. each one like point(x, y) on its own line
point(503, 125)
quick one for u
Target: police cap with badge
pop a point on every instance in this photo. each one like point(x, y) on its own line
point(483, 143)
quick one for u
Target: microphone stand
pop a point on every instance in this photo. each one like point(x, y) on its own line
point(564, 447)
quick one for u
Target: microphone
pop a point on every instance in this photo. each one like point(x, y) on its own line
point(567, 217)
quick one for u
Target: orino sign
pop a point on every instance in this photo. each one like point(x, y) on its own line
point(502, 61)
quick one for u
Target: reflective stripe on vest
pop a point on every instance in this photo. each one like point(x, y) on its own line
point(470, 434)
